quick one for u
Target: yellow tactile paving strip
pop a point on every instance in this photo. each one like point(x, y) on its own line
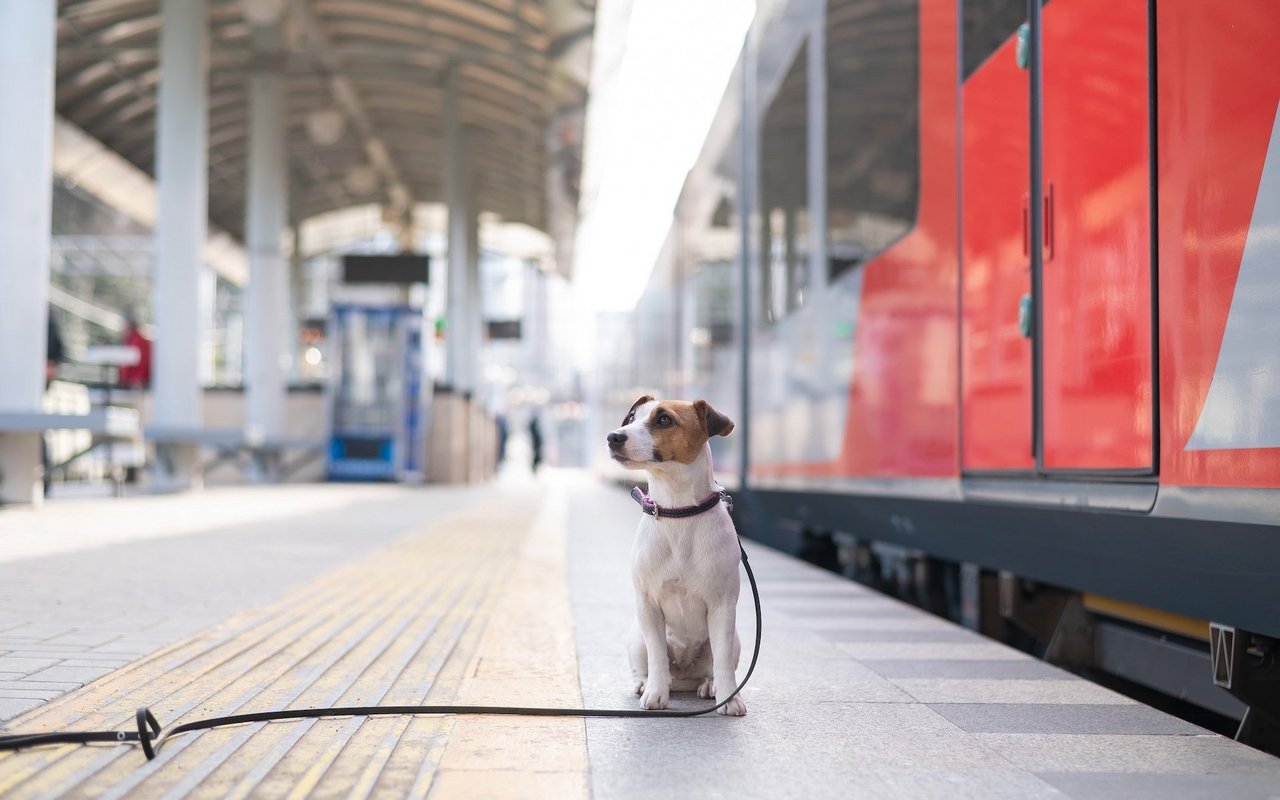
point(472, 610)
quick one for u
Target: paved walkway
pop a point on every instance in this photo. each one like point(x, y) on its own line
point(861, 696)
point(87, 586)
point(520, 595)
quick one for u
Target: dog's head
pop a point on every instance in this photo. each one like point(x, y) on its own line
point(662, 431)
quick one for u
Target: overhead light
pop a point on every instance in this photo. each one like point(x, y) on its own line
point(262, 12)
point(325, 126)
point(361, 179)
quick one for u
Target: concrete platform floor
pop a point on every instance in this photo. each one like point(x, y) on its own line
point(517, 593)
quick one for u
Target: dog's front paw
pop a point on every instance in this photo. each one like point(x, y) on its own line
point(707, 689)
point(654, 697)
point(733, 708)
point(639, 686)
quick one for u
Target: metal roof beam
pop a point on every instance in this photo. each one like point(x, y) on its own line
point(348, 98)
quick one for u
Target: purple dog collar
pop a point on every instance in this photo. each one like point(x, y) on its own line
point(658, 512)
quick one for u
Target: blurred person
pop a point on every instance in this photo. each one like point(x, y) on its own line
point(502, 437)
point(136, 376)
point(54, 354)
point(535, 440)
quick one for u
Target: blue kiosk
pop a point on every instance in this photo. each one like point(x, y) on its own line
point(378, 393)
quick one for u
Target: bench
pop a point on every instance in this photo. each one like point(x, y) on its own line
point(230, 445)
point(106, 424)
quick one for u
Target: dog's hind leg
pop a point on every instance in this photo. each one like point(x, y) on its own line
point(697, 675)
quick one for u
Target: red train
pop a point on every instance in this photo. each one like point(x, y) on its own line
point(1010, 276)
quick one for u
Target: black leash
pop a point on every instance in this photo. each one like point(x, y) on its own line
point(153, 737)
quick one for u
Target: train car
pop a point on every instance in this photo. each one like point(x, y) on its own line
point(1006, 275)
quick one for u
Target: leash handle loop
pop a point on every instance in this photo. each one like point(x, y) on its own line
point(145, 720)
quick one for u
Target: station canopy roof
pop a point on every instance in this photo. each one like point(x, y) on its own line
point(366, 97)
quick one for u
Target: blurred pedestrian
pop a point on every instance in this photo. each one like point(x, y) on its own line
point(136, 376)
point(535, 441)
point(502, 437)
point(54, 354)
point(53, 351)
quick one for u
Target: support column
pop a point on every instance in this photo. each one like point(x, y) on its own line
point(816, 133)
point(475, 300)
point(463, 331)
point(297, 302)
point(748, 283)
point(181, 229)
point(457, 359)
point(266, 217)
point(27, 47)
point(479, 446)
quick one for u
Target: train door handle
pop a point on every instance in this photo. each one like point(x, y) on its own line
point(1026, 315)
point(1048, 222)
point(1026, 225)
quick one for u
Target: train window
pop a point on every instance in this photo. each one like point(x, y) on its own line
point(873, 98)
point(987, 25)
point(784, 193)
point(713, 314)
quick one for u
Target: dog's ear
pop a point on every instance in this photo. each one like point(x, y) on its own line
point(715, 423)
point(631, 414)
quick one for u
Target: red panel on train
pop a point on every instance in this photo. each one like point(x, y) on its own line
point(1096, 327)
point(996, 273)
point(1218, 87)
point(902, 409)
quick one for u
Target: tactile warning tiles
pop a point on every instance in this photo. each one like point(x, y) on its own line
point(428, 619)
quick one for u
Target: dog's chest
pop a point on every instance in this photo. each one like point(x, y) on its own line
point(669, 573)
point(678, 558)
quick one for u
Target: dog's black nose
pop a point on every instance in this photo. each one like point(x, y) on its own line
point(616, 438)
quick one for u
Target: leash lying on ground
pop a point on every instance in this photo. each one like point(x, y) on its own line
point(153, 737)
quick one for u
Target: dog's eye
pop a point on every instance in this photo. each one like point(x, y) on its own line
point(664, 421)
point(631, 417)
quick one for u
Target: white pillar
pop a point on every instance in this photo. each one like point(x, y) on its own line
point(816, 131)
point(475, 305)
point(457, 360)
point(181, 229)
point(535, 332)
point(27, 47)
point(267, 313)
point(473, 375)
point(297, 300)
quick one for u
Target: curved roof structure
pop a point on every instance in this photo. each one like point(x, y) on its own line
point(520, 66)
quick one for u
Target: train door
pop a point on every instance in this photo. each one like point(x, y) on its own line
point(1068, 388)
point(996, 394)
point(1096, 329)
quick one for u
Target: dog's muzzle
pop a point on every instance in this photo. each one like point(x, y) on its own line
point(617, 440)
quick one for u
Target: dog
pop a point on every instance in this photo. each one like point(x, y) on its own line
point(685, 561)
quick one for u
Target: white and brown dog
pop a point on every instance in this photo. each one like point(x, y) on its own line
point(685, 561)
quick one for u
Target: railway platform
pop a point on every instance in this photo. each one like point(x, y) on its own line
point(516, 593)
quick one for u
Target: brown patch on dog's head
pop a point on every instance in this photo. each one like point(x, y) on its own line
point(680, 429)
point(631, 413)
